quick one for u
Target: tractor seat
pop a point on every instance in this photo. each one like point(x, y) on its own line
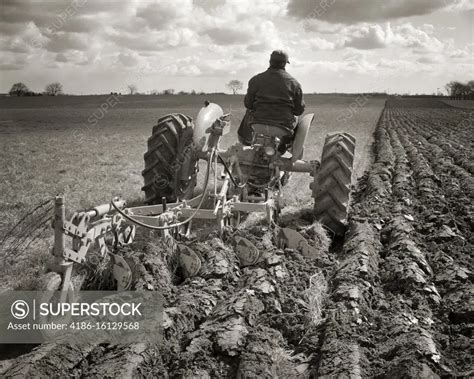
point(271, 130)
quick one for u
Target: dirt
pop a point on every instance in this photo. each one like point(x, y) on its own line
point(416, 200)
point(392, 299)
point(468, 104)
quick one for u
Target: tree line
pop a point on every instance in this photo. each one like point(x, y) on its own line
point(456, 90)
point(461, 91)
point(21, 89)
point(133, 90)
point(233, 85)
point(56, 88)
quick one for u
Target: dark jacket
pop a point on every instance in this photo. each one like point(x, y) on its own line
point(274, 97)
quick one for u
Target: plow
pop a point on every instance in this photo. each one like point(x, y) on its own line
point(245, 179)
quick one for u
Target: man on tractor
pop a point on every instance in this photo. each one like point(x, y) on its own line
point(273, 98)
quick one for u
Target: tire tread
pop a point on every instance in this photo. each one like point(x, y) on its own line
point(332, 184)
point(170, 136)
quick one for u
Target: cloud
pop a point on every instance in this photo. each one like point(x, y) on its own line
point(26, 11)
point(22, 39)
point(8, 29)
point(128, 60)
point(317, 43)
point(153, 40)
point(369, 37)
point(12, 61)
point(258, 47)
point(60, 42)
point(409, 36)
point(323, 27)
point(9, 67)
point(207, 5)
point(428, 28)
point(348, 12)
point(162, 13)
point(244, 32)
point(73, 57)
point(198, 65)
point(191, 70)
point(460, 5)
point(82, 24)
point(60, 57)
point(375, 36)
point(228, 35)
point(428, 60)
point(467, 52)
point(350, 64)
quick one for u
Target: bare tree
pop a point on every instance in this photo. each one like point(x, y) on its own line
point(132, 89)
point(19, 89)
point(453, 89)
point(169, 91)
point(235, 85)
point(466, 91)
point(470, 85)
point(459, 90)
point(54, 89)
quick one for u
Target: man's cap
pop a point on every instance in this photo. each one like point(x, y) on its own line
point(279, 56)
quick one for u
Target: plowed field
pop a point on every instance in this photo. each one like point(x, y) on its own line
point(392, 299)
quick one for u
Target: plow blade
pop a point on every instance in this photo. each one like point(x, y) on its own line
point(291, 239)
point(122, 273)
point(246, 251)
point(189, 261)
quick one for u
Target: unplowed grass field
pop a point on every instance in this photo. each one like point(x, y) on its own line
point(393, 298)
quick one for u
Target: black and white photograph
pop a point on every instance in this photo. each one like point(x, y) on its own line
point(236, 188)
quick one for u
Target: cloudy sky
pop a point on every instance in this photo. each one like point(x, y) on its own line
point(98, 46)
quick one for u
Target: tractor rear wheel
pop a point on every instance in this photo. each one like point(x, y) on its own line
point(170, 162)
point(332, 184)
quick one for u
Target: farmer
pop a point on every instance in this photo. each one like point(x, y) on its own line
point(273, 98)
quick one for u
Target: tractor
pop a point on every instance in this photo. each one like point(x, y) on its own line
point(245, 179)
point(252, 175)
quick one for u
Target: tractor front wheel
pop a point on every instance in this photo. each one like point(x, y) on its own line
point(332, 184)
point(170, 162)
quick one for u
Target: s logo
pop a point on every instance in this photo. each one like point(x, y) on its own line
point(20, 309)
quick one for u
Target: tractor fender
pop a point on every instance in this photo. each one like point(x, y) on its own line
point(204, 120)
point(302, 130)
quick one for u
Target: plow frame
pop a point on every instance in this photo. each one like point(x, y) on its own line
point(74, 237)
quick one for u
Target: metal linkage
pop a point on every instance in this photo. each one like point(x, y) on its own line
point(89, 228)
point(75, 237)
